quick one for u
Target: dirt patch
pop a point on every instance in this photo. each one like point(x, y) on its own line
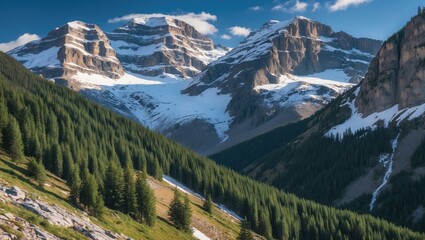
point(208, 226)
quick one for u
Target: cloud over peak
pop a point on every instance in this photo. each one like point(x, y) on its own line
point(200, 21)
point(344, 4)
point(22, 40)
point(239, 31)
point(291, 7)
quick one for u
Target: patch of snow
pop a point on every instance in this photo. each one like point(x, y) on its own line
point(349, 52)
point(357, 121)
point(337, 75)
point(124, 48)
point(180, 186)
point(298, 89)
point(187, 190)
point(385, 159)
point(326, 39)
point(199, 235)
point(163, 94)
point(47, 58)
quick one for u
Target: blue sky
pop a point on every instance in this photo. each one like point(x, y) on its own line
point(362, 18)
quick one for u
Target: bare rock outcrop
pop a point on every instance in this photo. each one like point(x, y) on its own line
point(76, 47)
point(397, 74)
point(154, 46)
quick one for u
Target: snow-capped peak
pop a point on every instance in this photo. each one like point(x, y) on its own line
point(153, 21)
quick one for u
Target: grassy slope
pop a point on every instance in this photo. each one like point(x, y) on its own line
point(217, 226)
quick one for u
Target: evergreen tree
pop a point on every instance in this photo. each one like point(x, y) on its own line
point(245, 233)
point(89, 195)
point(14, 145)
point(75, 186)
point(114, 187)
point(130, 195)
point(145, 200)
point(176, 211)
point(56, 159)
point(208, 206)
point(187, 214)
point(37, 171)
point(264, 226)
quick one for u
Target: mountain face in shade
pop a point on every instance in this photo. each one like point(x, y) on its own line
point(76, 47)
point(153, 46)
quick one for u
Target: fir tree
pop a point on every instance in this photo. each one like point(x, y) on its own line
point(208, 206)
point(130, 196)
point(179, 212)
point(15, 145)
point(75, 186)
point(187, 214)
point(114, 187)
point(145, 200)
point(245, 233)
point(89, 195)
point(37, 171)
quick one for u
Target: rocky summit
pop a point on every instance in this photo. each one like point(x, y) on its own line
point(153, 46)
point(259, 73)
point(73, 48)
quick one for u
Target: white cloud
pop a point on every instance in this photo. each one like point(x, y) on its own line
point(297, 6)
point(200, 21)
point(22, 40)
point(256, 8)
point(316, 6)
point(240, 31)
point(344, 4)
point(225, 37)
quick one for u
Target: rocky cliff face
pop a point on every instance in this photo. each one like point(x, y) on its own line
point(271, 55)
point(397, 74)
point(154, 46)
point(76, 47)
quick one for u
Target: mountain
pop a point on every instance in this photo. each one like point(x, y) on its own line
point(284, 72)
point(97, 143)
point(365, 150)
point(176, 81)
point(68, 50)
point(154, 46)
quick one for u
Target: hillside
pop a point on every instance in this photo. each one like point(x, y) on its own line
point(365, 149)
point(55, 194)
point(59, 117)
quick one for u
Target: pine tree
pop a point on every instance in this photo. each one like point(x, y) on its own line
point(89, 195)
point(175, 212)
point(145, 200)
point(114, 187)
point(208, 206)
point(37, 171)
point(130, 196)
point(264, 226)
point(187, 214)
point(56, 159)
point(75, 186)
point(245, 233)
point(14, 145)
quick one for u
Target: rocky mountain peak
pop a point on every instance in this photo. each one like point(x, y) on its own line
point(75, 47)
point(155, 46)
point(397, 74)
